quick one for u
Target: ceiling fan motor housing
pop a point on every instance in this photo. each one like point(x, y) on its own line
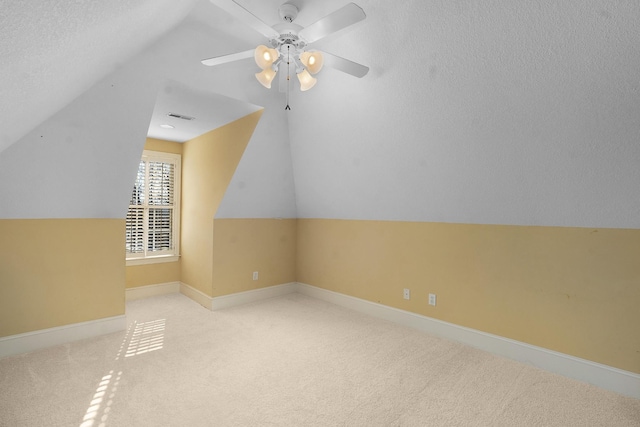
point(288, 12)
point(288, 36)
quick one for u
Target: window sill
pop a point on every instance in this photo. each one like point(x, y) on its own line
point(152, 260)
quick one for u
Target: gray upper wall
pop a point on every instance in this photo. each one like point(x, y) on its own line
point(496, 112)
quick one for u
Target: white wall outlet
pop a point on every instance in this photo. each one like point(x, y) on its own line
point(406, 294)
point(255, 275)
point(432, 299)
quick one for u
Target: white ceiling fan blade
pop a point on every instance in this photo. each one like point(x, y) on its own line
point(341, 18)
point(218, 60)
point(344, 65)
point(247, 17)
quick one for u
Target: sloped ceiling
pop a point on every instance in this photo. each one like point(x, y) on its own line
point(481, 112)
point(52, 51)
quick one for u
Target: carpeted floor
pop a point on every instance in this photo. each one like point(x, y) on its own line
point(287, 361)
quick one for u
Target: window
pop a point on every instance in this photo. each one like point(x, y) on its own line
point(153, 219)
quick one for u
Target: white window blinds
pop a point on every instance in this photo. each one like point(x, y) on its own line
point(152, 220)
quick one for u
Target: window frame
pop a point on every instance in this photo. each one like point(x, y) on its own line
point(166, 256)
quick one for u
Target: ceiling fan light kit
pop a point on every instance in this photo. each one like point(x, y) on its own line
point(313, 61)
point(306, 80)
point(265, 77)
point(289, 42)
point(265, 56)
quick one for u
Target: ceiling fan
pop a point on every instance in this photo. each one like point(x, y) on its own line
point(288, 44)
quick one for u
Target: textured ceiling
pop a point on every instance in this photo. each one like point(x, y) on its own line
point(54, 50)
point(473, 111)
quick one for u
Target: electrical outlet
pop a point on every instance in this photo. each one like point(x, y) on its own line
point(432, 299)
point(255, 275)
point(406, 294)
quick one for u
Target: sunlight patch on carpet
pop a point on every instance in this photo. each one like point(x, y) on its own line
point(143, 337)
point(100, 405)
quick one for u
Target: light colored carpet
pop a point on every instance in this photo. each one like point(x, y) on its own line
point(287, 361)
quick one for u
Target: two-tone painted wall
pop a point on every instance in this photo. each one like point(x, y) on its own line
point(219, 255)
point(70, 177)
point(63, 192)
point(490, 157)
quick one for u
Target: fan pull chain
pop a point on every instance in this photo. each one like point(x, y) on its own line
point(288, 76)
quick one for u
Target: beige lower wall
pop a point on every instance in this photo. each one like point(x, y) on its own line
point(242, 246)
point(55, 272)
point(152, 274)
point(572, 290)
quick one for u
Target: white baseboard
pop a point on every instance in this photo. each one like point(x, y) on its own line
point(607, 377)
point(232, 300)
point(36, 340)
point(199, 297)
point(152, 290)
point(239, 298)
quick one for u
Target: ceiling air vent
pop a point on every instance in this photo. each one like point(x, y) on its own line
point(180, 116)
